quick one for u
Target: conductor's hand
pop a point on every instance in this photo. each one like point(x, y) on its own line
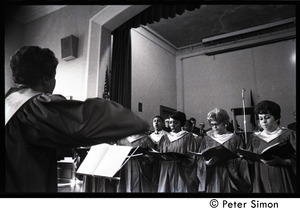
point(212, 161)
point(277, 161)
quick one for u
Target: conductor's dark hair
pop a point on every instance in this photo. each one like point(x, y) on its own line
point(268, 107)
point(29, 64)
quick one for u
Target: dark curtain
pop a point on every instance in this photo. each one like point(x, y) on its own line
point(121, 55)
point(154, 13)
point(121, 68)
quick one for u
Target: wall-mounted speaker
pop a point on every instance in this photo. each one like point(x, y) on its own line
point(69, 47)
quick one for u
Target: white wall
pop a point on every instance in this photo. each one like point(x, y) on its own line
point(153, 74)
point(217, 81)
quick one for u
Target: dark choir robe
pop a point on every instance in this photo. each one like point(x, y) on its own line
point(47, 122)
point(273, 179)
point(292, 126)
point(231, 176)
point(99, 184)
point(177, 175)
point(136, 175)
point(196, 130)
point(202, 132)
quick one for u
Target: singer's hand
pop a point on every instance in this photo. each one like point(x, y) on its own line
point(212, 161)
point(277, 161)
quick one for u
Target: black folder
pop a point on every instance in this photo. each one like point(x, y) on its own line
point(280, 149)
point(221, 152)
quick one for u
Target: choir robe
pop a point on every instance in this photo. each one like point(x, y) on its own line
point(273, 179)
point(99, 184)
point(231, 176)
point(156, 137)
point(136, 175)
point(47, 122)
point(177, 175)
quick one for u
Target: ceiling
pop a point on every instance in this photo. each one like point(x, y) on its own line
point(211, 20)
point(192, 26)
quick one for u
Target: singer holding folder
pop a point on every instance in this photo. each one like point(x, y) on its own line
point(221, 173)
point(177, 174)
point(38, 122)
point(136, 175)
point(277, 175)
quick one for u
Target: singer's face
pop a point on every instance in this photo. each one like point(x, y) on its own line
point(157, 124)
point(175, 125)
point(267, 122)
point(218, 128)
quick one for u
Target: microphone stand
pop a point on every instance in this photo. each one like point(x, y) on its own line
point(244, 114)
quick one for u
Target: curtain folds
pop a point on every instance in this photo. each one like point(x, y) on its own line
point(121, 55)
point(121, 68)
point(153, 14)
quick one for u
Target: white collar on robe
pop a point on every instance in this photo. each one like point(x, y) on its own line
point(157, 136)
point(175, 136)
point(269, 136)
point(134, 138)
point(220, 138)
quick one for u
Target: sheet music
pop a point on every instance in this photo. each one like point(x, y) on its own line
point(104, 160)
point(112, 161)
point(93, 158)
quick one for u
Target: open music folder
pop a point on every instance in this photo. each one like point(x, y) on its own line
point(105, 160)
point(280, 149)
point(221, 152)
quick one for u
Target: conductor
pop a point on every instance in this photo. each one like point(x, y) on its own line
point(37, 122)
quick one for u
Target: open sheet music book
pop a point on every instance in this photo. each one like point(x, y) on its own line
point(282, 150)
point(105, 160)
point(221, 152)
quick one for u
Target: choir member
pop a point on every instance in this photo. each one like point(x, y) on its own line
point(195, 129)
point(38, 122)
point(167, 125)
point(136, 176)
point(159, 133)
point(202, 130)
point(293, 125)
point(177, 175)
point(219, 174)
point(277, 175)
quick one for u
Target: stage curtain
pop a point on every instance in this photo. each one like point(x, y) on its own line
point(121, 68)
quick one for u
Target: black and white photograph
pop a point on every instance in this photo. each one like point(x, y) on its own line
point(151, 100)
